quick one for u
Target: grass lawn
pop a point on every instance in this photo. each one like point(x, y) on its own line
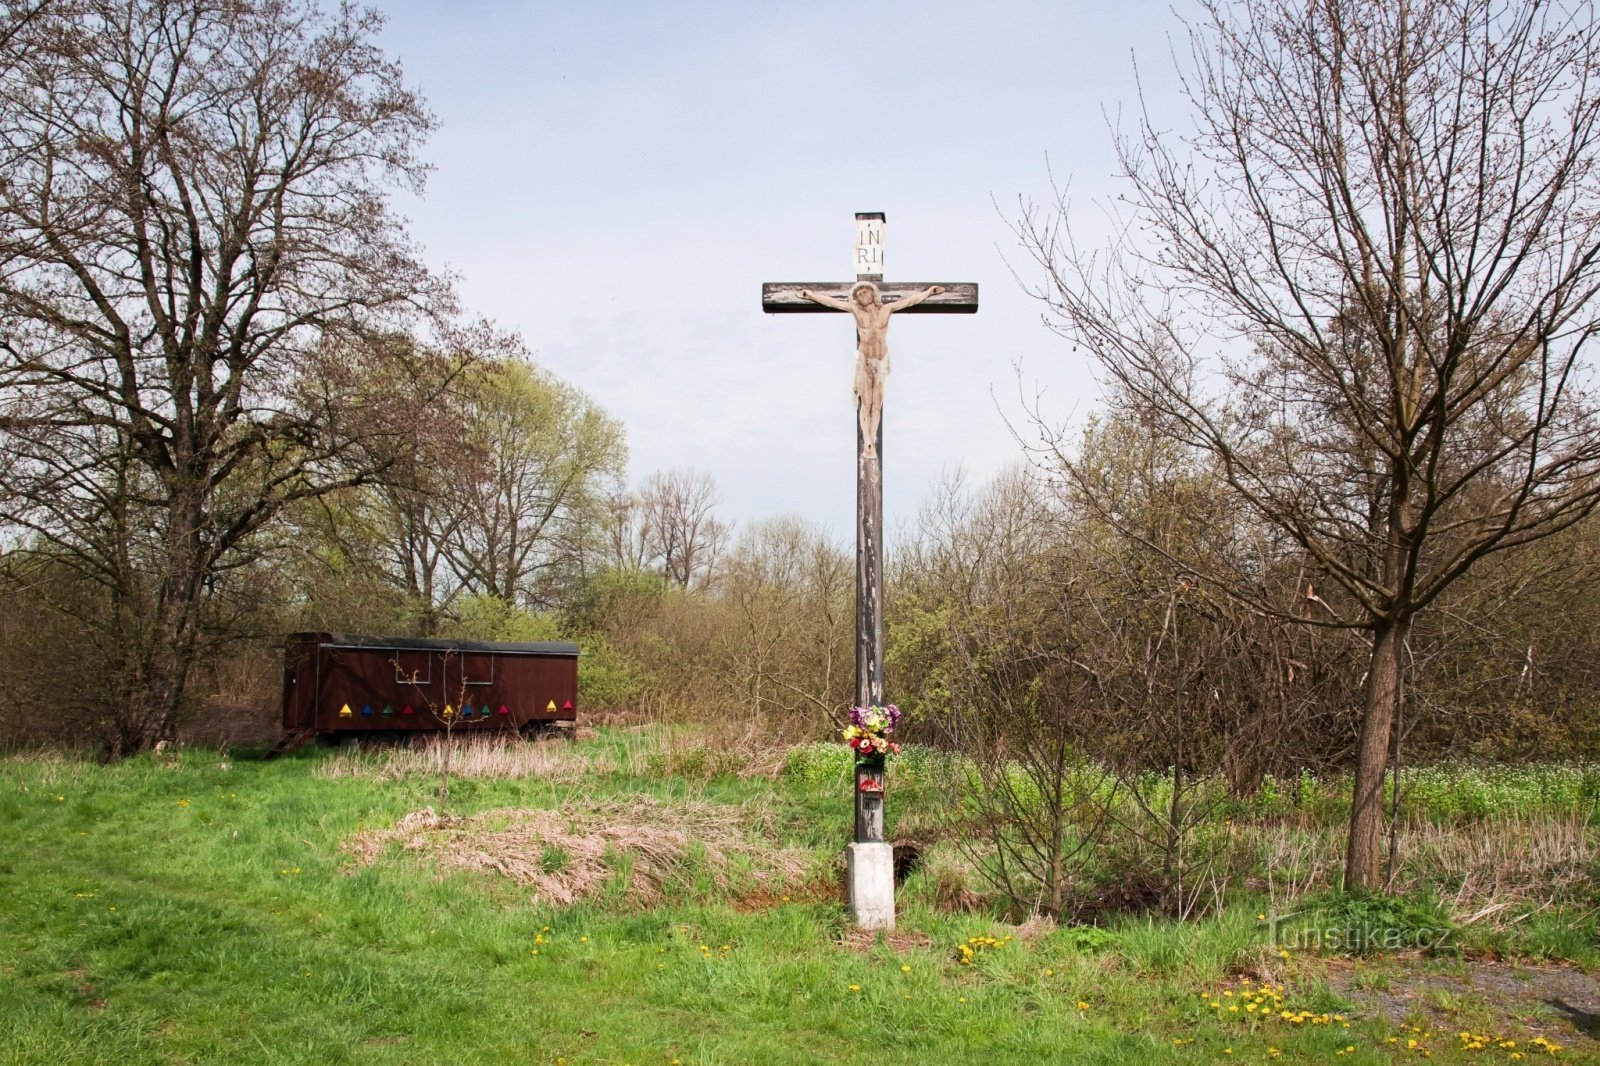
point(193, 908)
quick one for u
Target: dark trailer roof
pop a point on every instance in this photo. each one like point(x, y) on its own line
point(547, 648)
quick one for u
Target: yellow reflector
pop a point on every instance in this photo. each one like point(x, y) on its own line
point(345, 711)
point(551, 707)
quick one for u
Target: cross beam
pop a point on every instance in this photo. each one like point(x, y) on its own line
point(783, 297)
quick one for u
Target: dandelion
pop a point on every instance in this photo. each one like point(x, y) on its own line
point(181, 803)
point(855, 988)
point(905, 969)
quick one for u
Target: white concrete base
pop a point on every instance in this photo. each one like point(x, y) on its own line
point(869, 875)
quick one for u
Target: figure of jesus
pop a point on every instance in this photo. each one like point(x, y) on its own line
point(872, 348)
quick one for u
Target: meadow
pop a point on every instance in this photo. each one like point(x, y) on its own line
point(655, 896)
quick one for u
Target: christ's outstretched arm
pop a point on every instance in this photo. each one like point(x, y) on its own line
point(912, 300)
point(825, 300)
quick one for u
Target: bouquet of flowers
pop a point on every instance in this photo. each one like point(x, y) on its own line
point(869, 730)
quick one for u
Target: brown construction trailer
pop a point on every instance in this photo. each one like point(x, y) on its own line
point(357, 688)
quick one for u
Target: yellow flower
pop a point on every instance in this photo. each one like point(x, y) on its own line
point(855, 988)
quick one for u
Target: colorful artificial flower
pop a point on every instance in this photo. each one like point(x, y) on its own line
point(869, 730)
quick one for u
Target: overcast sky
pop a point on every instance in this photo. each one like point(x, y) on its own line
point(615, 181)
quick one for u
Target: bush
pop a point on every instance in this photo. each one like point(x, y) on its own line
point(1368, 923)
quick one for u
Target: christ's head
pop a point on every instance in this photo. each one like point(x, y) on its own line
point(865, 294)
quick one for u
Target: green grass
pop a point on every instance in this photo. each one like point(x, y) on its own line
point(183, 909)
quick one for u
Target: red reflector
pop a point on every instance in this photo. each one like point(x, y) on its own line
point(504, 709)
point(567, 706)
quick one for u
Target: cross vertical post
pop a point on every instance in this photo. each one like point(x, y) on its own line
point(869, 775)
point(871, 303)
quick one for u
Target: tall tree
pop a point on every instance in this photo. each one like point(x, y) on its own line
point(541, 464)
point(681, 530)
point(1365, 284)
point(198, 270)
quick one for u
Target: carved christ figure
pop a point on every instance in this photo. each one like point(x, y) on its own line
point(872, 348)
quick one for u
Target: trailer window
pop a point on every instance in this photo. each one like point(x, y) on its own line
point(413, 668)
point(477, 669)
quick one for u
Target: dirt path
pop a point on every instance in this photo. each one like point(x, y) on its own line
point(1559, 1003)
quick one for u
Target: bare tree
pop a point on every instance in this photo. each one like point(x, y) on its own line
point(682, 533)
point(1364, 284)
point(627, 535)
point(199, 275)
point(15, 15)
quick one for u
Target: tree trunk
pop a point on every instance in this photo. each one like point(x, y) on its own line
point(163, 652)
point(1385, 676)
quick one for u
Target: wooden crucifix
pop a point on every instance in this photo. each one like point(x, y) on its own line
point(871, 303)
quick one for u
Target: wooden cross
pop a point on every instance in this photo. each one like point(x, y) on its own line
point(952, 298)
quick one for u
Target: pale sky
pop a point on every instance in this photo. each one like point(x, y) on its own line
point(614, 181)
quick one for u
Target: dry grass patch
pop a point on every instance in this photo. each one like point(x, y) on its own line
point(575, 851)
point(482, 758)
point(901, 941)
point(1480, 870)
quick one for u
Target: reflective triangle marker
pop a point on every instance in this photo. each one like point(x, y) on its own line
point(552, 706)
point(345, 711)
